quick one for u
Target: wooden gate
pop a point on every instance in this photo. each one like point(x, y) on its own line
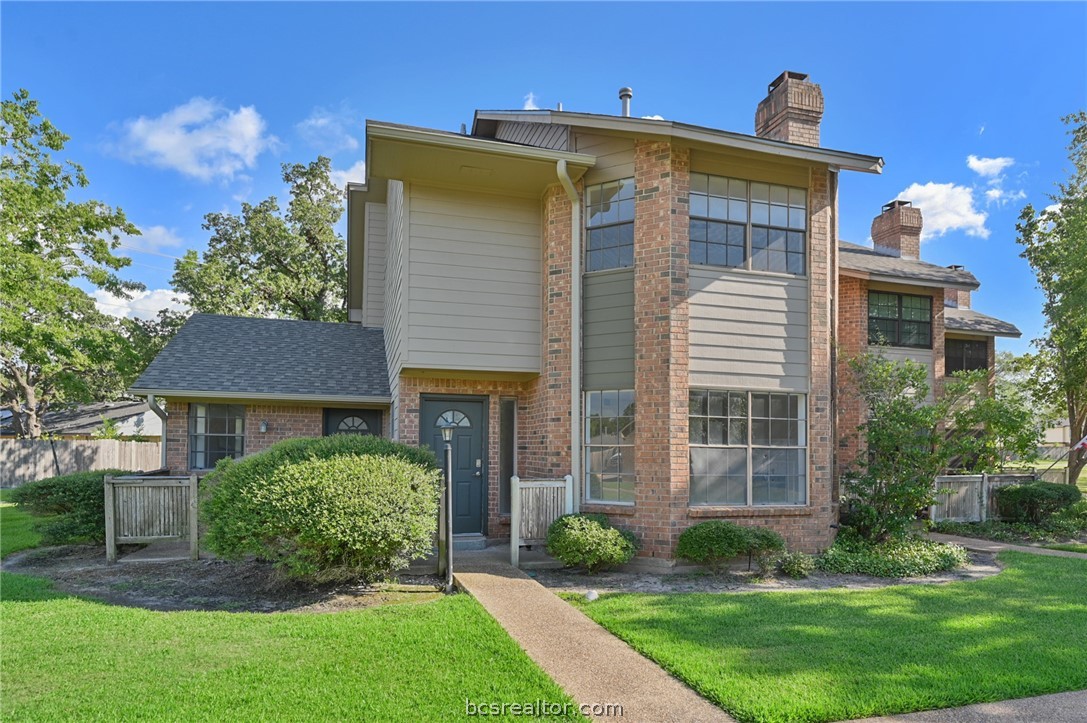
point(147, 509)
point(534, 505)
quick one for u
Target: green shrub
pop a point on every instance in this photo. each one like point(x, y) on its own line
point(1035, 502)
point(765, 546)
point(712, 543)
point(345, 507)
point(591, 541)
point(76, 503)
point(796, 565)
point(1075, 514)
point(900, 557)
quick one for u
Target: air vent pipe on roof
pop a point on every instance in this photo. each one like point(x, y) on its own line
point(625, 94)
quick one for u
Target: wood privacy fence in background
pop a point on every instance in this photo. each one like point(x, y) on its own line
point(969, 497)
point(27, 460)
point(534, 505)
point(148, 509)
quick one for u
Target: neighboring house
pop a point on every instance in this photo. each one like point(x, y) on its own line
point(133, 419)
point(645, 304)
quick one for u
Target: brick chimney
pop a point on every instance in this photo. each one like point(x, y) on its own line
point(957, 298)
point(791, 110)
point(897, 231)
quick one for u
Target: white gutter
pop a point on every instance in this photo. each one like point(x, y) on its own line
point(575, 328)
point(161, 414)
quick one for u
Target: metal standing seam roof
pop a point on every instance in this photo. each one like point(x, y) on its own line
point(871, 262)
point(238, 357)
point(968, 320)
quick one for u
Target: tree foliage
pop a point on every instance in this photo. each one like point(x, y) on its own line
point(1054, 242)
point(910, 439)
point(268, 263)
point(55, 347)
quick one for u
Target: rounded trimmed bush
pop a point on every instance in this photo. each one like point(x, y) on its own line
point(905, 557)
point(764, 546)
point(74, 502)
point(796, 565)
point(345, 507)
point(712, 543)
point(591, 541)
point(1035, 502)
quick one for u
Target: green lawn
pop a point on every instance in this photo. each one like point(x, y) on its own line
point(837, 654)
point(16, 531)
point(1069, 547)
point(66, 657)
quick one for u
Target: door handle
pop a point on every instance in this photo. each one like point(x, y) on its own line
point(478, 473)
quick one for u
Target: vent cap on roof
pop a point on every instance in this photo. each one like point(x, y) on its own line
point(625, 94)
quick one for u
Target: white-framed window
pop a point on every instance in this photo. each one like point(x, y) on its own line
point(748, 225)
point(748, 448)
point(609, 225)
point(609, 446)
point(216, 431)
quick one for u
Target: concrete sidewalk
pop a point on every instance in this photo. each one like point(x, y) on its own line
point(1056, 708)
point(971, 543)
point(590, 664)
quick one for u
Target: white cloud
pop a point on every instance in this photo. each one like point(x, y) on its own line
point(329, 131)
point(946, 207)
point(142, 305)
point(1002, 197)
point(653, 117)
point(201, 138)
point(356, 173)
point(989, 167)
point(153, 239)
point(530, 102)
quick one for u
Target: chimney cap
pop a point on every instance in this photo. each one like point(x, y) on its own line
point(957, 267)
point(787, 75)
point(897, 203)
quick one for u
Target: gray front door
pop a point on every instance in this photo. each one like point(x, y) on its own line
point(469, 466)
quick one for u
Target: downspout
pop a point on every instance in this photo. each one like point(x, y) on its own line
point(161, 414)
point(575, 329)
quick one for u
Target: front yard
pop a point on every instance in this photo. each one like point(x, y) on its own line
point(838, 654)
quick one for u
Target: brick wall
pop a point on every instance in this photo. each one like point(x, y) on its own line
point(852, 339)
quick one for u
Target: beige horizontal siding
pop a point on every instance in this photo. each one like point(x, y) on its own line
point(373, 299)
point(921, 356)
point(614, 156)
point(608, 330)
point(474, 296)
point(749, 331)
point(749, 167)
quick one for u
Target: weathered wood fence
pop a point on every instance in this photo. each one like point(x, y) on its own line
point(148, 509)
point(970, 498)
point(534, 505)
point(27, 460)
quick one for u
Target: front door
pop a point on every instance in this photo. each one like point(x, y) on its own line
point(469, 466)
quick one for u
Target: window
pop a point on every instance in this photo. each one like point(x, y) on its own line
point(353, 425)
point(609, 446)
point(747, 448)
point(452, 418)
point(965, 355)
point(507, 454)
point(216, 431)
point(609, 225)
point(743, 224)
point(899, 320)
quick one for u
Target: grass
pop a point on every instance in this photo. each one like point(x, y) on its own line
point(16, 527)
point(1070, 547)
point(837, 654)
point(400, 662)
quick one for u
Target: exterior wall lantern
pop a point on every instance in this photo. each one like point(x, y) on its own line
point(263, 426)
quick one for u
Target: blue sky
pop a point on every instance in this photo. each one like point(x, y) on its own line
point(177, 110)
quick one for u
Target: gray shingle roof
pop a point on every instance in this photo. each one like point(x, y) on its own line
point(870, 261)
point(270, 358)
point(956, 319)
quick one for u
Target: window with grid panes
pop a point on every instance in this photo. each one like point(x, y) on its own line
point(748, 225)
point(747, 448)
point(965, 355)
point(609, 446)
point(216, 431)
point(899, 320)
point(609, 225)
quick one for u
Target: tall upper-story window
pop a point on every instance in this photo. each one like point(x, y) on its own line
point(609, 225)
point(899, 319)
point(748, 225)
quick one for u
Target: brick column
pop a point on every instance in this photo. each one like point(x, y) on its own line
point(938, 342)
point(661, 351)
point(852, 338)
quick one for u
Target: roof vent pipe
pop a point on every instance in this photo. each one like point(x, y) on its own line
point(625, 94)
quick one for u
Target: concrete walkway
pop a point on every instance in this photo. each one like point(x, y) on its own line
point(971, 543)
point(590, 664)
point(1056, 708)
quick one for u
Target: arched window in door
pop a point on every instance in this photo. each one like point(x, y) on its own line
point(452, 418)
point(353, 425)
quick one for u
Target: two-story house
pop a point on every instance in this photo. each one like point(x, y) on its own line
point(647, 305)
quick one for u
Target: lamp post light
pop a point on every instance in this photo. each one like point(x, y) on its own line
point(447, 511)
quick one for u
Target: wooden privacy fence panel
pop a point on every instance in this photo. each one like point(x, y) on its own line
point(534, 505)
point(970, 498)
point(28, 460)
point(148, 509)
